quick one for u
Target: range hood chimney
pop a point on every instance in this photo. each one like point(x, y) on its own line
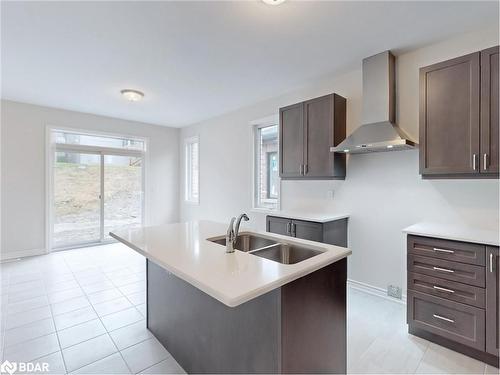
point(379, 131)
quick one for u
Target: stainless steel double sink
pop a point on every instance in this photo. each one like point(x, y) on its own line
point(263, 247)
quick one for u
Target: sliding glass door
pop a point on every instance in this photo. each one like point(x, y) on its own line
point(95, 189)
point(77, 204)
point(122, 193)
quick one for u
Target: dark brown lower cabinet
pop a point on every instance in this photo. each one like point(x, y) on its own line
point(493, 301)
point(307, 230)
point(332, 232)
point(279, 225)
point(453, 295)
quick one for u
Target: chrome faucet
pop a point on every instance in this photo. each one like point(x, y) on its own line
point(232, 232)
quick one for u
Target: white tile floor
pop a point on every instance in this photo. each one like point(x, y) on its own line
point(378, 342)
point(83, 311)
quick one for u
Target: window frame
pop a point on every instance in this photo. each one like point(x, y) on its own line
point(188, 196)
point(268, 174)
point(256, 126)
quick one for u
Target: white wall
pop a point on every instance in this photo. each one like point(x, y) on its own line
point(382, 192)
point(23, 127)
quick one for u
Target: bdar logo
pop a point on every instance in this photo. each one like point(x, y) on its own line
point(8, 367)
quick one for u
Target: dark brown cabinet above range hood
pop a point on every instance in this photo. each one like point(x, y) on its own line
point(379, 131)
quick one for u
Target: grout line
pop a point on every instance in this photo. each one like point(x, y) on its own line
point(103, 334)
point(34, 321)
point(74, 325)
point(139, 342)
point(145, 368)
point(79, 368)
point(422, 358)
point(107, 333)
point(45, 355)
point(108, 300)
point(23, 311)
point(117, 311)
point(32, 338)
point(57, 336)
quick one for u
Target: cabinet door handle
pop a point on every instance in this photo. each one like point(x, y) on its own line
point(306, 169)
point(443, 289)
point(443, 269)
point(474, 157)
point(485, 162)
point(288, 228)
point(491, 262)
point(437, 249)
point(294, 229)
point(301, 169)
point(443, 318)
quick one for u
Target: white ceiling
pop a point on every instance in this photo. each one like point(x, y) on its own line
point(196, 60)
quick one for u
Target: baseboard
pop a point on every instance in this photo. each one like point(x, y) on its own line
point(5, 257)
point(374, 290)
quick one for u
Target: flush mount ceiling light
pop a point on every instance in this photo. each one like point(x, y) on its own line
point(274, 2)
point(132, 95)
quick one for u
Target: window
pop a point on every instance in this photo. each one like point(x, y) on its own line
point(73, 138)
point(192, 193)
point(266, 177)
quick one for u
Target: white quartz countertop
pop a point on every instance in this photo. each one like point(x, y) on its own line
point(233, 279)
point(309, 216)
point(455, 232)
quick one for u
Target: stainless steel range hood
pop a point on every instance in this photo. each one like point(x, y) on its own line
point(379, 131)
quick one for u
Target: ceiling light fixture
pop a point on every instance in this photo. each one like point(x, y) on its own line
point(132, 95)
point(274, 2)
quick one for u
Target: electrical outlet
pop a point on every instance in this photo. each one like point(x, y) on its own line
point(330, 194)
point(395, 291)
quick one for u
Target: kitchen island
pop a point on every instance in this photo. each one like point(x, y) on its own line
point(241, 313)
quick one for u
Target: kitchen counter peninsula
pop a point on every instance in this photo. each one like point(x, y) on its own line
point(242, 312)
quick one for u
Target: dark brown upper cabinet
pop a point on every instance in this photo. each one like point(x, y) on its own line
point(489, 111)
point(291, 141)
point(459, 117)
point(307, 131)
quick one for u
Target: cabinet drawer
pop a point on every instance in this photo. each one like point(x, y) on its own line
point(454, 271)
point(448, 250)
point(455, 321)
point(451, 290)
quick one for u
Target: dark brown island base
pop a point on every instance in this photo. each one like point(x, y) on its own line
point(297, 328)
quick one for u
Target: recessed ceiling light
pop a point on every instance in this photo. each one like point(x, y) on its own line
point(274, 2)
point(132, 95)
